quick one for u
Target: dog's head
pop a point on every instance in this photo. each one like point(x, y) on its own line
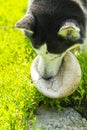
point(53, 26)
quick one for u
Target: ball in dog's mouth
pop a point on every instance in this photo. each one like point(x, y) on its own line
point(64, 83)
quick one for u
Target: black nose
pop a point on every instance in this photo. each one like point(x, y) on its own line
point(47, 78)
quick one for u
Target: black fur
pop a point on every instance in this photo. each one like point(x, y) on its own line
point(48, 18)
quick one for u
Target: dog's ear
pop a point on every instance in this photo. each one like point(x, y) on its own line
point(69, 30)
point(26, 23)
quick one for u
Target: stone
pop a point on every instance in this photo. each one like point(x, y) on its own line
point(66, 119)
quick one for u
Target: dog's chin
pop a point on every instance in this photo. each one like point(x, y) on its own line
point(64, 83)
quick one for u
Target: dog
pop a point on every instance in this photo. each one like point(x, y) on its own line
point(54, 26)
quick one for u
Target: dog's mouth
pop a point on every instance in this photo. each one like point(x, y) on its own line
point(59, 61)
point(48, 66)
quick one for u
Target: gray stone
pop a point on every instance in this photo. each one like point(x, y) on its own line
point(66, 119)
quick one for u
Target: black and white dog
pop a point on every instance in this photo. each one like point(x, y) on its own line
point(54, 26)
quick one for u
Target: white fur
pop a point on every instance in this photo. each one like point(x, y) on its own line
point(30, 3)
point(48, 63)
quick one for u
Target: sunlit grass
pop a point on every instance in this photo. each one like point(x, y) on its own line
point(16, 88)
point(11, 11)
point(18, 97)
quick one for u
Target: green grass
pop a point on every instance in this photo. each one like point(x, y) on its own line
point(18, 96)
